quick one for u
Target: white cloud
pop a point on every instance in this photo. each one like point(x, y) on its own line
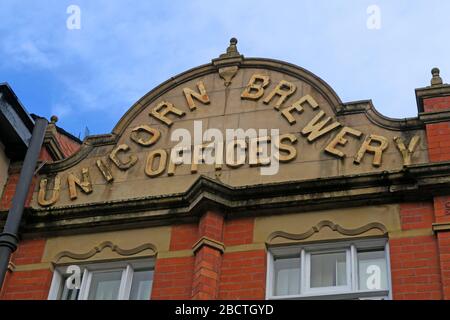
point(61, 110)
point(26, 54)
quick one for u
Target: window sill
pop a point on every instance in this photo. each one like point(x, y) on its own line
point(382, 294)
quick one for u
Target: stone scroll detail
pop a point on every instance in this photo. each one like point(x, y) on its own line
point(332, 226)
point(101, 247)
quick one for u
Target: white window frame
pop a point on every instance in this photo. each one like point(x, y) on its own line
point(349, 291)
point(88, 269)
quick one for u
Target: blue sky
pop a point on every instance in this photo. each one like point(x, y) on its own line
point(90, 77)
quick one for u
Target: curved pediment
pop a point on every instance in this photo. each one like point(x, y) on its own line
point(309, 132)
point(211, 73)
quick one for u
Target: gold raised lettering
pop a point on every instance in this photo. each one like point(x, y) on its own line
point(162, 155)
point(155, 134)
point(340, 139)
point(104, 170)
point(284, 90)
point(376, 150)
point(42, 201)
point(119, 163)
point(407, 152)
point(317, 129)
point(255, 88)
point(298, 106)
point(201, 96)
point(85, 184)
point(164, 108)
point(289, 149)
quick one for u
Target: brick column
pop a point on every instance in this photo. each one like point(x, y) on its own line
point(208, 252)
point(434, 111)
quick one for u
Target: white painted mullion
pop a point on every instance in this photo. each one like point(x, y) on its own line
point(304, 272)
point(55, 286)
point(85, 284)
point(125, 283)
point(388, 269)
point(270, 275)
point(354, 268)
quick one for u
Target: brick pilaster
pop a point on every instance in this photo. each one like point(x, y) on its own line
point(208, 252)
point(434, 111)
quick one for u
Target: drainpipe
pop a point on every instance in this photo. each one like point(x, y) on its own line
point(9, 238)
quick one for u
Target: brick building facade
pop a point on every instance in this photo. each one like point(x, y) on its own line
point(361, 208)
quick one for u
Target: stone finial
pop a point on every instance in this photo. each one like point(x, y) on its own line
point(228, 63)
point(232, 50)
point(53, 119)
point(51, 128)
point(436, 79)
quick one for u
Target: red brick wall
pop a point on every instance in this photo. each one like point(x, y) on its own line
point(10, 190)
point(243, 275)
point(183, 237)
point(29, 252)
point(444, 250)
point(34, 284)
point(442, 208)
point(415, 268)
point(420, 266)
point(436, 104)
point(416, 215)
point(238, 231)
point(68, 146)
point(438, 135)
point(27, 285)
point(211, 226)
point(45, 155)
point(173, 278)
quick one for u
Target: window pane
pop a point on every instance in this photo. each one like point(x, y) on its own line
point(105, 285)
point(328, 269)
point(141, 285)
point(287, 276)
point(372, 270)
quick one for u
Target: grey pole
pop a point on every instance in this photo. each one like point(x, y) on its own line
point(9, 238)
